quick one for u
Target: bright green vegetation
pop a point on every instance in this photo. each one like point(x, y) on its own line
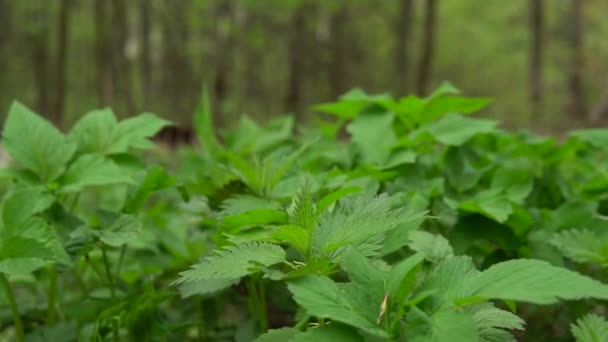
point(392, 219)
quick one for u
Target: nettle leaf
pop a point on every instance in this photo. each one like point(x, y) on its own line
point(295, 236)
point(401, 279)
point(454, 129)
point(443, 326)
point(125, 229)
point(373, 134)
point(35, 143)
point(533, 281)
point(232, 263)
point(492, 203)
point(157, 179)
point(582, 245)
point(92, 170)
point(303, 211)
point(255, 217)
point(493, 324)
point(22, 204)
point(93, 132)
point(324, 298)
point(328, 333)
point(278, 335)
point(357, 221)
point(134, 133)
point(240, 204)
point(590, 328)
point(441, 105)
point(434, 247)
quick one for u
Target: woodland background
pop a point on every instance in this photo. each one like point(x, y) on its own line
point(544, 61)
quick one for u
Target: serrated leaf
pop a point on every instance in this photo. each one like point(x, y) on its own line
point(254, 218)
point(35, 143)
point(328, 333)
point(303, 212)
point(454, 129)
point(443, 326)
point(323, 298)
point(533, 281)
point(373, 134)
point(590, 328)
point(492, 203)
point(234, 262)
point(93, 132)
point(92, 170)
point(582, 245)
point(134, 133)
point(295, 236)
point(434, 247)
point(157, 179)
point(278, 335)
point(493, 324)
point(125, 229)
point(22, 204)
point(205, 286)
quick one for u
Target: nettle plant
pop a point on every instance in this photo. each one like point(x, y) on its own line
point(45, 232)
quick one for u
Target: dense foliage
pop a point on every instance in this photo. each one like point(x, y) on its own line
point(392, 219)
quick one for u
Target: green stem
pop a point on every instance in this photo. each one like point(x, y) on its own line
point(52, 296)
point(123, 250)
point(106, 265)
point(262, 306)
point(201, 319)
point(14, 310)
point(257, 302)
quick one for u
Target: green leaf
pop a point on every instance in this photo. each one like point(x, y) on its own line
point(402, 277)
point(328, 333)
point(374, 136)
point(22, 204)
point(441, 105)
point(331, 198)
point(443, 326)
point(590, 328)
point(234, 262)
point(454, 129)
point(582, 245)
point(303, 212)
point(295, 236)
point(597, 137)
point(93, 132)
point(492, 203)
point(533, 281)
point(255, 218)
point(35, 143)
point(493, 324)
point(125, 229)
point(205, 286)
point(434, 247)
point(16, 266)
point(203, 124)
point(357, 221)
point(134, 133)
point(92, 170)
point(323, 298)
point(278, 335)
point(157, 179)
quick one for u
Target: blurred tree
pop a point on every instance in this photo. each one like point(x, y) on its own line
point(5, 33)
point(223, 55)
point(122, 69)
point(298, 51)
point(600, 110)
point(37, 37)
point(145, 27)
point(340, 46)
point(403, 27)
point(57, 113)
point(537, 42)
point(577, 107)
point(425, 62)
point(103, 56)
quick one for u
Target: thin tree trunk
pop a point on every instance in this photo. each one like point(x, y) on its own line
point(600, 110)
point(145, 11)
point(102, 54)
point(537, 43)
point(123, 68)
point(428, 48)
point(5, 33)
point(297, 50)
point(339, 61)
point(223, 57)
point(576, 107)
point(403, 28)
point(60, 67)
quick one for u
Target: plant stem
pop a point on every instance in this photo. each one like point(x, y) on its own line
point(201, 319)
point(262, 306)
point(52, 296)
point(257, 302)
point(14, 310)
point(106, 265)
point(123, 251)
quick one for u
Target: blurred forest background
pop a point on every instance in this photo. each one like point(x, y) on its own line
point(544, 61)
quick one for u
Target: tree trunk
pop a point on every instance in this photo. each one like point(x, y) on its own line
point(297, 51)
point(223, 56)
point(145, 12)
point(600, 110)
point(37, 38)
point(122, 69)
point(537, 43)
point(428, 48)
point(339, 50)
point(5, 33)
point(403, 27)
point(61, 62)
point(104, 84)
point(577, 106)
